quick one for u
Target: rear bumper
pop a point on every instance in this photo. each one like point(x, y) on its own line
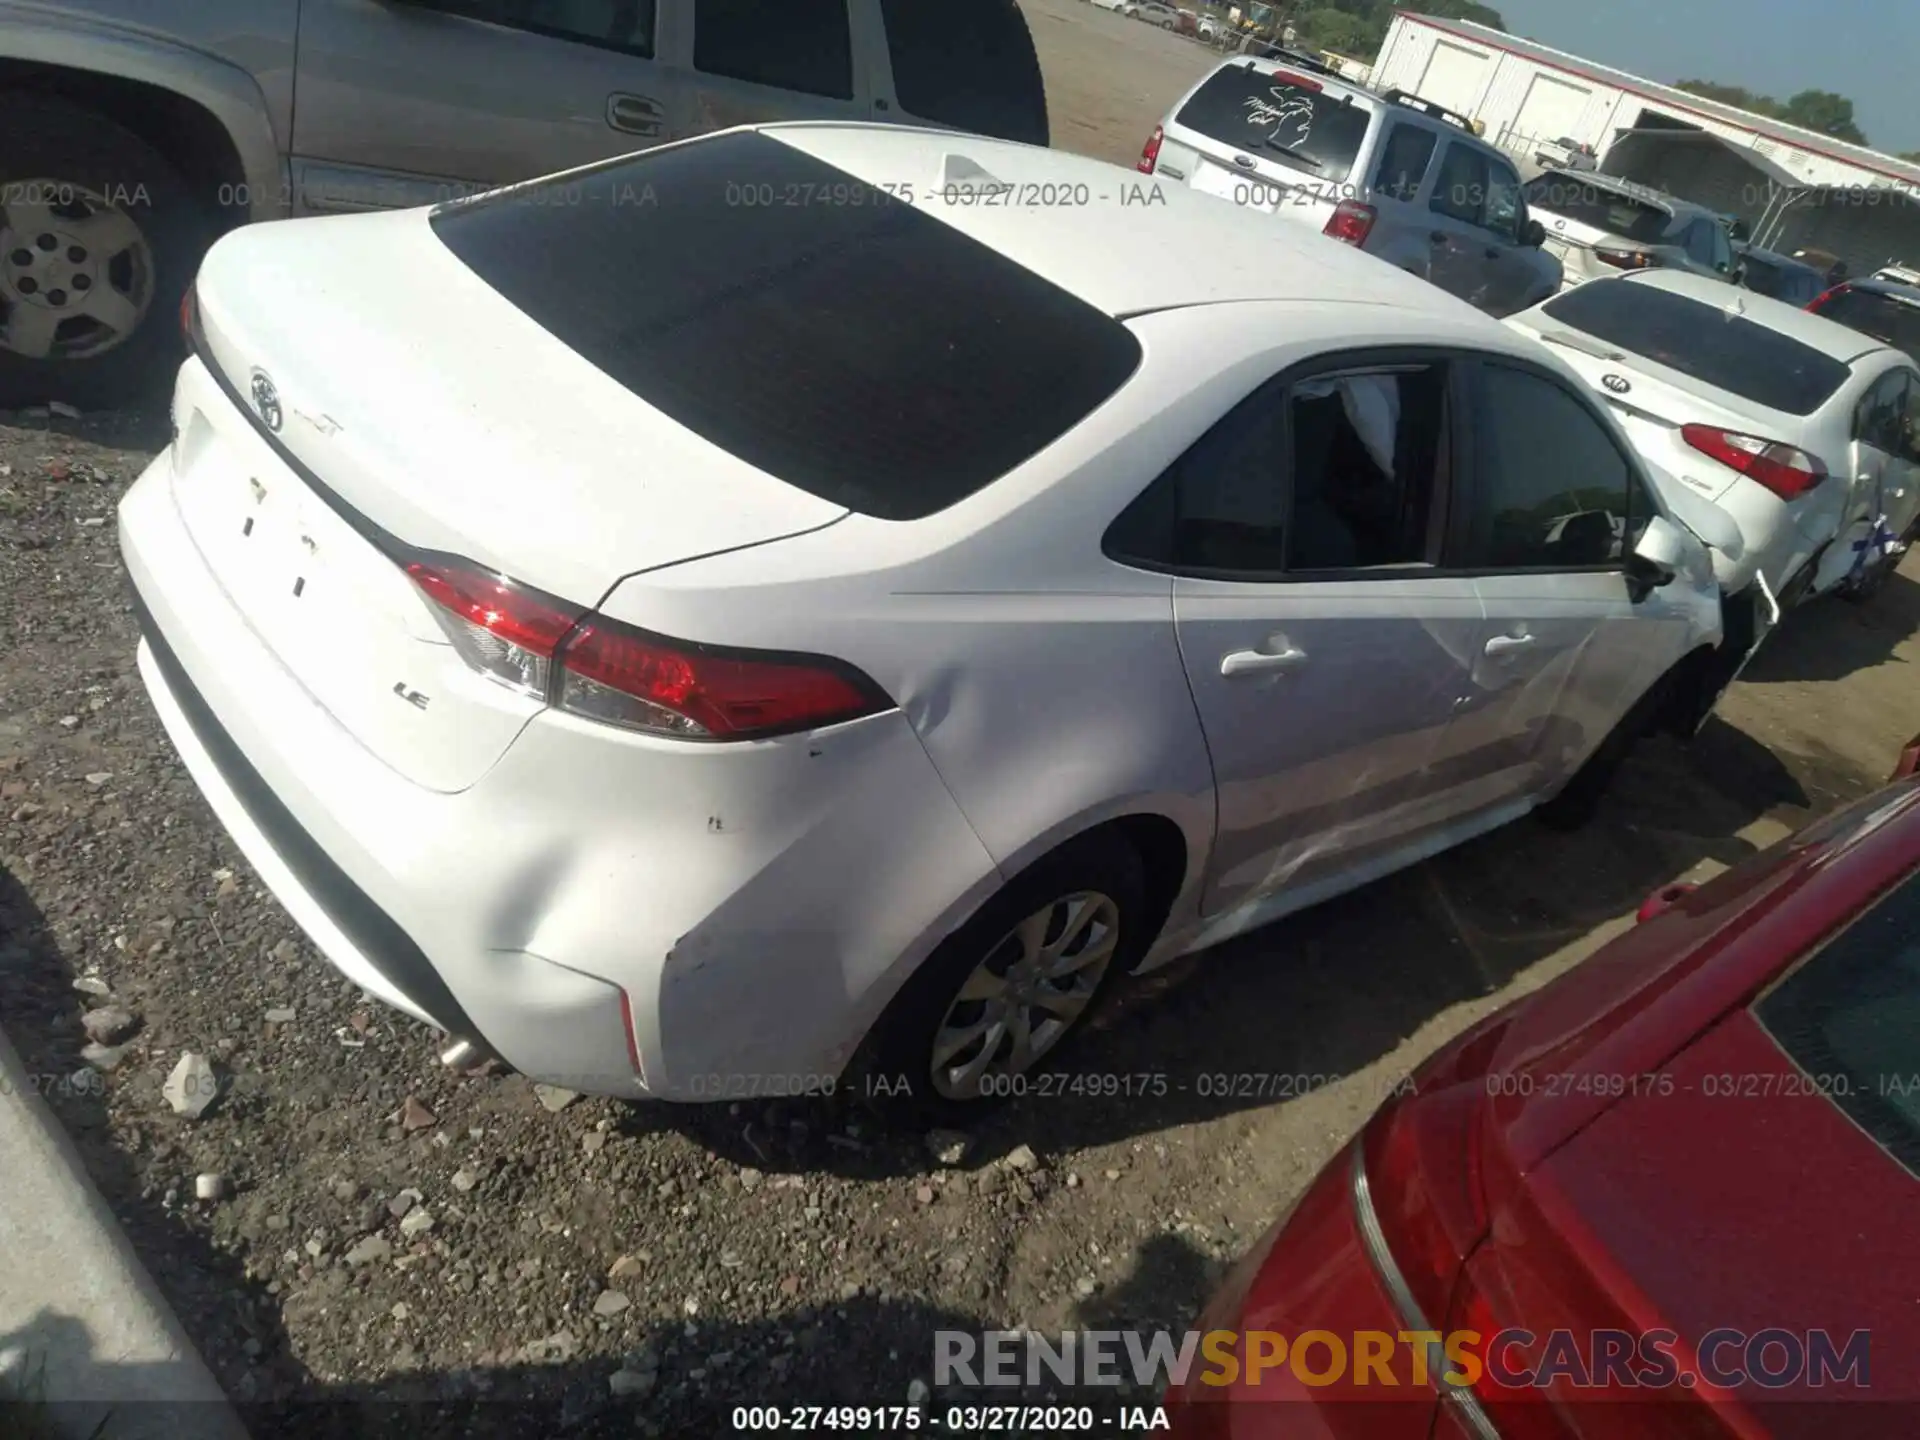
point(751, 907)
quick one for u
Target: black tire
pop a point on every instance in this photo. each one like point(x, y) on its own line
point(1579, 799)
point(893, 1075)
point(52, 139)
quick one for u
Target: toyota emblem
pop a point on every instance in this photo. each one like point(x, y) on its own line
point(266, 399)
point(1618, 384)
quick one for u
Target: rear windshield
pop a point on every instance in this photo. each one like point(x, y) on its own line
point(799, 319)
point(1597, 207)
point(1850, 1018)
point(1886, 318)
point(1276, 114)
point(1706, 342)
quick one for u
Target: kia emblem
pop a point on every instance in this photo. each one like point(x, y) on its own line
point(1618, 384)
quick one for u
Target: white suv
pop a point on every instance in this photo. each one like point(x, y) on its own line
point(1390, 173)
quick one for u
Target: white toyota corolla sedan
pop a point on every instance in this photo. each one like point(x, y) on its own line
point(824, 596)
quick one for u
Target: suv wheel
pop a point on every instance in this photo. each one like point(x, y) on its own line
point(99, 237)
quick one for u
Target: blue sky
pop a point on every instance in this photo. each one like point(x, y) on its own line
point(1868, 50)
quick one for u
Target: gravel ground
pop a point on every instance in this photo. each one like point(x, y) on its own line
point(382, 1230)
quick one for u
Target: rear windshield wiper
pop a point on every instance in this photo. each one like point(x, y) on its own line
point(1292, 154)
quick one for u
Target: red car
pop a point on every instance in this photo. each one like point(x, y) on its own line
point(1674, 1193)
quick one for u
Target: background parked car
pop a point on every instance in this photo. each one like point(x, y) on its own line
point(1710, 1125)
point(1567, 153)
point(1778, 277)
point(1601, 225)
point(1899, 275)
point(1888, 312)
point(1391, 174)
point(137, 130)
point(1164, 16)
point(1791, 425)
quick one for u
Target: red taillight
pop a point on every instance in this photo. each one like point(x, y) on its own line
point(1625, 259)
point(602, 670)
point(1299, 82)
point(190, 316)
point(1150, 152)
point(628, 677)
point(1352, 222)
point(1785, 470)
point(1422, 1159)
point(1823, 299)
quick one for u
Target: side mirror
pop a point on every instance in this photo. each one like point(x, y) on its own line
point(1533, 234)
point(1657, 559)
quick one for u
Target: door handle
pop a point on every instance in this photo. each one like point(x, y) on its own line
point(1506, 644)
point(1438, 237)
point(1493, 252)
point(1258, 662)
point(635, 114)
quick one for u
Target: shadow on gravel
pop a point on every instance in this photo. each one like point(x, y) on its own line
point(1297, 1007)
point(1831, 638)
point(690, 1381)
point(40, 1011)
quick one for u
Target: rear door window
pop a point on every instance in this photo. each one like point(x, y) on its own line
point(1461, 191)
point(1850, 1018)
point(802, 45)
point(860, 349)
point(1343, 472)
point(969, 64)
point(1404, 160)
point(1711, 344)
point(1598, 208)
point(1280, 116)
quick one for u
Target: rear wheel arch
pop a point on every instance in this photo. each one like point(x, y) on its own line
point(192, 138)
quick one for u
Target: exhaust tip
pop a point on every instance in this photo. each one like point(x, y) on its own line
point(470, 1057)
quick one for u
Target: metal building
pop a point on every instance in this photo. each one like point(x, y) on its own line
point(1794, 188)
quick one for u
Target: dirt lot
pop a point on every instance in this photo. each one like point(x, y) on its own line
point(391, 1232)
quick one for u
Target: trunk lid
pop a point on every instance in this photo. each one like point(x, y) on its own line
point(1579, 216)
point(1658, 401)
point(417, 408)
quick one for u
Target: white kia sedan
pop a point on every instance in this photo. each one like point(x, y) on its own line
point(1800, 428)
point(802, 602)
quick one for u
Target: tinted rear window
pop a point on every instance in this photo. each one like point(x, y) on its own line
point(1850, 1018)
point(1894, 322)
point(967, 63)
point(797, 318)
point(1598, 208)
point(1782, 280)
point(1264, 112)
point(1707, 343)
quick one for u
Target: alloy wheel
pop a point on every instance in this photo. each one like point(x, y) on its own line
point(1020, 1001)
point(76, 271)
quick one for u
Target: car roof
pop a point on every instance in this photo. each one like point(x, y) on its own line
point(1774, 257)
point(1631, 188)
point(1072, 227)
point(1829, 337)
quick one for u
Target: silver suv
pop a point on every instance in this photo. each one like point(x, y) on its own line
point(1395, 175)
point(132, 132)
